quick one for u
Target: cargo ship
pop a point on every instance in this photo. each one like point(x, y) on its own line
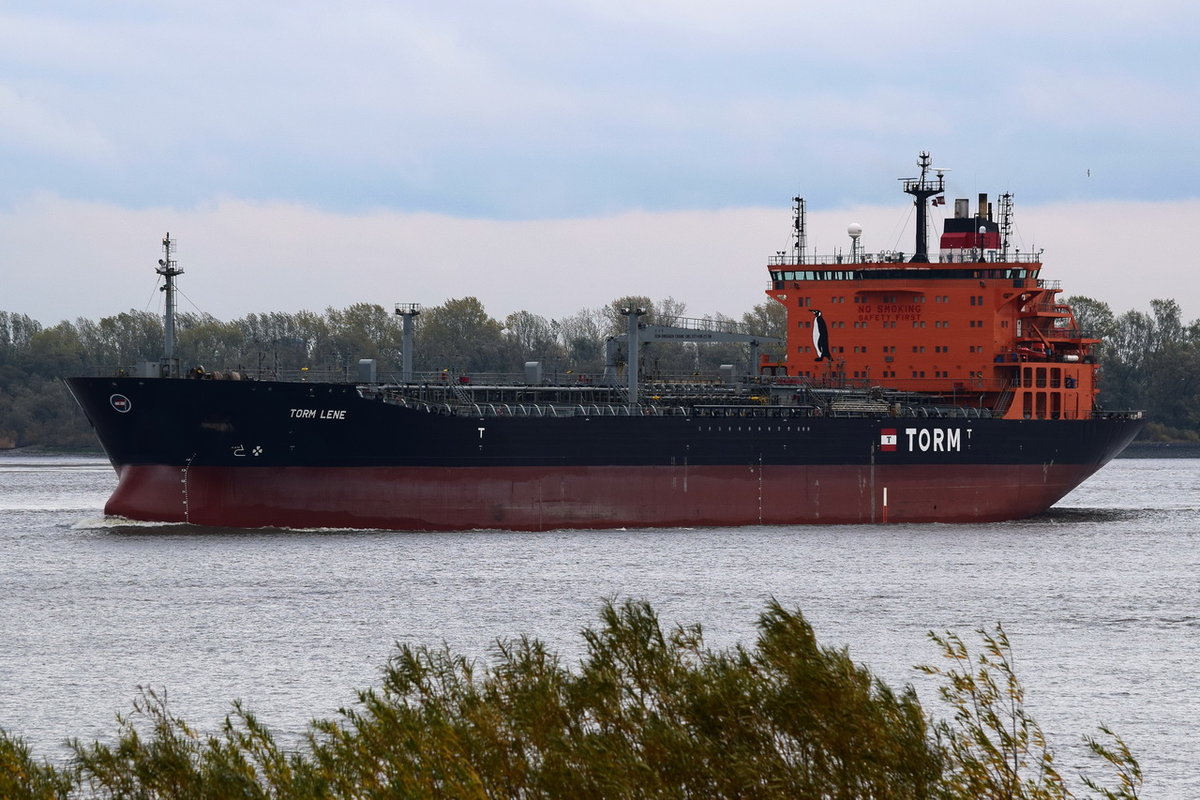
point(947, 386)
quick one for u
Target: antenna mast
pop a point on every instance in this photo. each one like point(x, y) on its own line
point(169, 269)
point(1006, 223)
point(799, 230)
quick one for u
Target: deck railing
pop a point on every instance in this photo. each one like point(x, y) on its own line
point(967, 256)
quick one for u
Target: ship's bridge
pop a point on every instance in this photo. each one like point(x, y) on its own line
point(897, 269)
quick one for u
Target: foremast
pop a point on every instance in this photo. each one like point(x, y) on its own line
point(169, 269)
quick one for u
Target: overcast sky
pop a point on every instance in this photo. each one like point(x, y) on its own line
point(550, 156)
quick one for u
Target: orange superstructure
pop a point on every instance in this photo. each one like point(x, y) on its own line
point(974, 325)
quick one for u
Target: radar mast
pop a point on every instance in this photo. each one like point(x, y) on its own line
point(922, 189)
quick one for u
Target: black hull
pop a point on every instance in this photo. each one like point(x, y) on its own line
point(249, 454)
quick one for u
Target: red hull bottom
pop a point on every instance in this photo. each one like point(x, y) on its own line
point(528, 498)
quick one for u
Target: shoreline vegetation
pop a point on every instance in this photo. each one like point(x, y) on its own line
point(1163, 449)
point(647, 713)
point(1149, 361)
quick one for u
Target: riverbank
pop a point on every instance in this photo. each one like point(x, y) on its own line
point(1161, 450)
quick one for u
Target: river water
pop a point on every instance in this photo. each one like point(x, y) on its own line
point(1100, 597)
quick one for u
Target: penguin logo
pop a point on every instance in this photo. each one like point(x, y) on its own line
point(820, 335)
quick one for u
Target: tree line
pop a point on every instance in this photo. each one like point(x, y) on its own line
point(458, 336)
point(1150, 361)
point(647, 713)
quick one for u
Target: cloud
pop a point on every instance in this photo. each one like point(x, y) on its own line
point(580, 108)
point(27, 124)
point(1079, 101)
point(63, 259)
point(242, 257)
